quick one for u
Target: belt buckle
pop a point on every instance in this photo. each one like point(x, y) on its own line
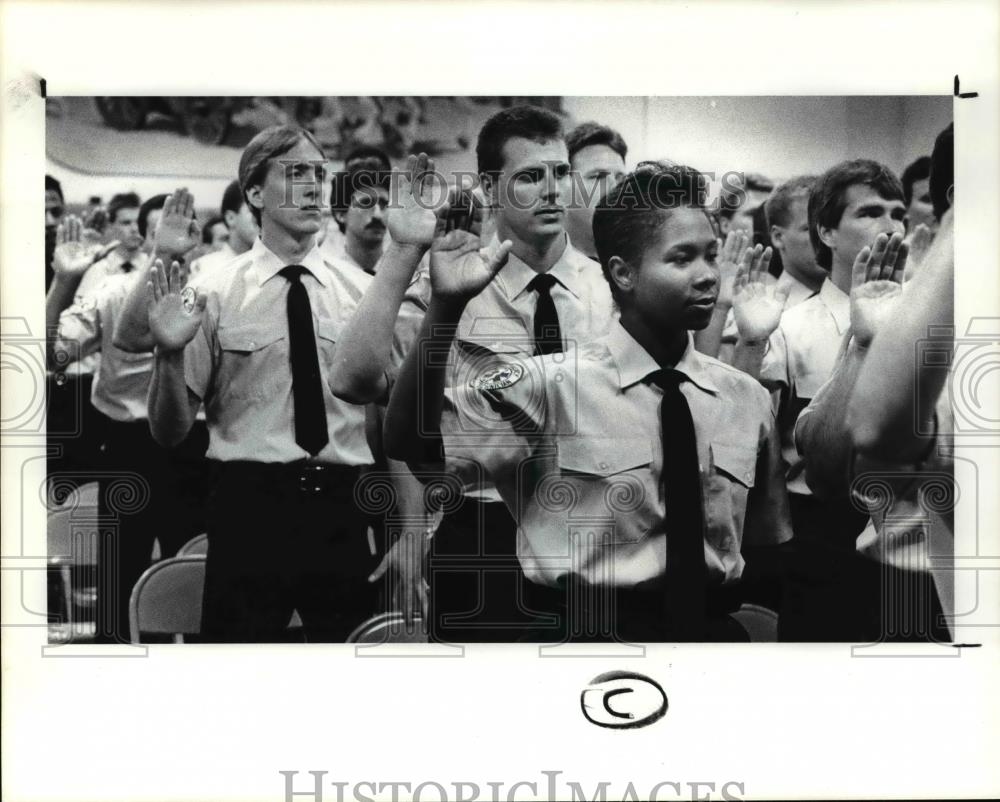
point(311, 478)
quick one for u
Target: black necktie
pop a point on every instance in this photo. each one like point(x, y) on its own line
point(686, 575)
point(548, 336)
point(307, 388)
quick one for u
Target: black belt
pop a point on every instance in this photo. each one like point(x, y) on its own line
point(721, 599)
point(306, 476)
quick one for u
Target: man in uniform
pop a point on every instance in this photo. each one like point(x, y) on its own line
point(597, 158)
point(850, 205)
point(128, 452)
point(639, 471)
point(547, 296)
point(359, 196)
point(254, 344)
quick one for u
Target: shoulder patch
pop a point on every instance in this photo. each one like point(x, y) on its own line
point(188, 298)
point(498, 377)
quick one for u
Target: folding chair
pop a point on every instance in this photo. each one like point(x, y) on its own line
point(196, 545)
point(72, 557)
point(387, 628)
point(760, 623)
point(167, 599)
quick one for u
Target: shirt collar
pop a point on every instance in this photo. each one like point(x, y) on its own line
point(797, 291)
point(838, 303)
point(516, 275)
point(634, 362)
point(266, 264)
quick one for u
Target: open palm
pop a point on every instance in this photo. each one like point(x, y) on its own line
point(458, 269)
point(414, 219)
point(177, 231)
point(72, 256)
point(757, 300)
point(173, 319)
point(876, 286)
point(729, 262)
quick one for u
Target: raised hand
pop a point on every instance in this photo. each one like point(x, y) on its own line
point(177, 231)
point(414, 220)
point(729, 260)
point(919, 242)
point(174, 316)
point(757, 300)
point(876, 286)
point(459, 270)
point(95, 224)
point(73, 257)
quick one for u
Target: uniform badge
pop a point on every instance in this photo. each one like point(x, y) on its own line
point(499, 377)
point(188, 298)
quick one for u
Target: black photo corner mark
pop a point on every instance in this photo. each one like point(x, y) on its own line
point(42, 92)
point(963, 94)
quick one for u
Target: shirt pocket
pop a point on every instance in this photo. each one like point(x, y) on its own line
point(603, 478)
point(327, 334)
point(254, 361)
point(732, 473)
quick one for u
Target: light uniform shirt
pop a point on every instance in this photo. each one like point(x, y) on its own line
point(92, 280)
point(213, 260)
point(238, 364)
point(122, 379)
point(111, 265)
point(500, 320)
point(573, 443)
point(800, 358)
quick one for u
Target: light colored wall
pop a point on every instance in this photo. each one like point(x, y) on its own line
point(777, 136)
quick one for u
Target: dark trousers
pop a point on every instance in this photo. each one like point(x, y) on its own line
point(284, 538)
point(138, 504)
point(582, 613)
point(479, 593)
point(834, 594)
point(475, 577)
point(75, 428)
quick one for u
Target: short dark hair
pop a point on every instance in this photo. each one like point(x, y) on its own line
point(364, 168)
point(52, 185)
point(917, 170)
point(528, 122)
point(828, 198)
point(123, 200)
point(587, 134)
point(942, 170)
point(374, 157)
point(629, 216)
point(151, 205)
point(778, 206)
point(263, 149)
point(206, 232)
point(232, 199)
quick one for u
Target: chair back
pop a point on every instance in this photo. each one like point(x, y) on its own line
point(760, 623)
point(167, 598)
point(387, 628)
point(196, 545)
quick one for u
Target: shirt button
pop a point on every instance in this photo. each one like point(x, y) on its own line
point(748, 476)
point(603, 466)
point(253, 344)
